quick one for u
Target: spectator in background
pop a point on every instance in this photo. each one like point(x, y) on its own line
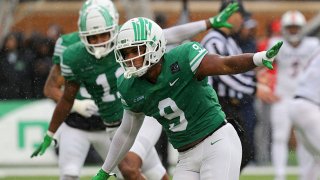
point(15, 69)
point(54, 32)
point(41, 64)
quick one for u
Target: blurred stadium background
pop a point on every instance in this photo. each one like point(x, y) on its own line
point(24, 118)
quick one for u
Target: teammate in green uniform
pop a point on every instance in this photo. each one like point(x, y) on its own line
point(92, 63)
point(83, 122)
point(172, 87)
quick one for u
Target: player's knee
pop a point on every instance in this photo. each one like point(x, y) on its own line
point(68, 177)
point(130, 166)
point(129, 172)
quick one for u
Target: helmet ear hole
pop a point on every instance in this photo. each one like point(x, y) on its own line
point(157, 48)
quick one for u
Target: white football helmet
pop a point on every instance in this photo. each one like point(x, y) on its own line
point(104, 3)
point(139, 32)
point(292, 18)
point(97, 20)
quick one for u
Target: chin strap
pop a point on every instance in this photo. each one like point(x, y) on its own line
point(129, 72)
point(127, 75)
point(98, 52)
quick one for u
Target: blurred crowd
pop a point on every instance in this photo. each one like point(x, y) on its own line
point(25, 61)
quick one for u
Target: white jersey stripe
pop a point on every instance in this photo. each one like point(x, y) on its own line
point(198, 60)
point(195, 66)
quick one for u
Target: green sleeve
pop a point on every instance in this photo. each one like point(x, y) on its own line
point(58, 50)
point(68, 68)
point(195, 55)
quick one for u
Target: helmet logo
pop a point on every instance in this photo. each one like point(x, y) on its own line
point(141, 29)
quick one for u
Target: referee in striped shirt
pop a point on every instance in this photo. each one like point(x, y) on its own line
point(234, 91)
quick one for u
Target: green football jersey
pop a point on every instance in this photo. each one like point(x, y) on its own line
point(188, 109)
point(99, 77)
point(62, 43)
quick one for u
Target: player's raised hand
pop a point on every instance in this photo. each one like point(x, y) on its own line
point(102, 175)
point(44, 145)
point(266, 58)
point(271, 54)
point(221, 19)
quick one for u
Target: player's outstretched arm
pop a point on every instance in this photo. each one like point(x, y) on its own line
point(219, 65)
point(180, 33)
point(60, 113)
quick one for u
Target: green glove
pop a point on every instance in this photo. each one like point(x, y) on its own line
point(271, 53)
point(221, 20)
point(266, 58)
point(102, 175)
point(44, 145)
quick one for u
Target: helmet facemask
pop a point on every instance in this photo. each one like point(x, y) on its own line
point(146, 38)
point(94, 21)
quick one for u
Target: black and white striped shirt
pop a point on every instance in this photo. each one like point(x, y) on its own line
point(234, 86)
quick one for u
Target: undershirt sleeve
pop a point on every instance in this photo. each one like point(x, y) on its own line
point(123, 139)
point(180, 33)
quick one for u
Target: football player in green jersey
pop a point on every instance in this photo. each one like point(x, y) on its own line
point(172, 87)
point(92, 63)
point(83, 123)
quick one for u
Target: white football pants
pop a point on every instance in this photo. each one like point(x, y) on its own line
point(217, 157)
point(306, 120)
point(74, 145)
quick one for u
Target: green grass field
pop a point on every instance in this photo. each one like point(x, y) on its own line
point(88, 178)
